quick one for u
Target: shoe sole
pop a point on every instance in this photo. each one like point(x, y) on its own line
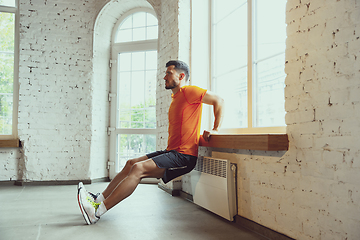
point(85, 215)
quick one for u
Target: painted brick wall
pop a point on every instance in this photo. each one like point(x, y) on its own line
point(11, 162)
point(55, 88)
point(168, 49)
point(322, 103)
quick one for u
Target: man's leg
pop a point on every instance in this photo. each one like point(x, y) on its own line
point(139, 170)
point(121, 175)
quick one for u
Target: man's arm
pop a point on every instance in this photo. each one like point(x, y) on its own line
point(211, 98)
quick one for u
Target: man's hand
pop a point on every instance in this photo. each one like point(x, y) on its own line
point(207, 134)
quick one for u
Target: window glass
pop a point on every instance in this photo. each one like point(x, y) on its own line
point(133, 115)
point(139, 20)
point(137, 89)
point(269, 40)
point(130, 146)
point(268, 63)
point(137, 27)
point(7, 23)
point(233, 89)
point(246, 60)
point(8, 3)
point(230, 60)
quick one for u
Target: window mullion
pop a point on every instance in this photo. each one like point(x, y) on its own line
point(16, 72)
point(8, 9)
point(144, 92)
point(211, 84)
point(250, 56)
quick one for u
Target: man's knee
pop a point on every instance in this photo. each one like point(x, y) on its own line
point(131, 162)
point(128, 164)
point(146, 169)
point(137, 169)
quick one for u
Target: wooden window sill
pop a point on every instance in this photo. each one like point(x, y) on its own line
point(13, 143)
point(264, 142)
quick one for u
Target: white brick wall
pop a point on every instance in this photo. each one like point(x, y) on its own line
point(168, 50)
point(55, 86)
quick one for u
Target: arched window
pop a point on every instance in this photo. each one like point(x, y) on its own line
point(133, 86)
point(137, 27)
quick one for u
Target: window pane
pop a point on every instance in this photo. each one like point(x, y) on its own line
point(137, 27)
point(224, 10)
point(6, 72)
point(125, 62)
point(269, 40)
point(150, 117)
point(268, 66)
point(137, 90)
point(138, 61)
point(124, 89)
point(7, 32)
point(152, 32)
point(124, 35)
point(151, 20)
point(124, 32)
point(150, 88)
point(125, 118)
point(139, 34)
point(127, 23)
point(124, 104)
point(233, 88)
point(230, 60)
point(133, 145)
point(230, 44)
point(6, 106)
point(9, 3)
point(150, 63)
point(137, 117)
point(139, 19)
point(268, 102)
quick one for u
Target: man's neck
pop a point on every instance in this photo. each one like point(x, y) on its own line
point(177, 89)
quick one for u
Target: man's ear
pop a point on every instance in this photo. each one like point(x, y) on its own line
point(182, 76)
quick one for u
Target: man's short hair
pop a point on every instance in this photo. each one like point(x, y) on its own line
point(180, 67)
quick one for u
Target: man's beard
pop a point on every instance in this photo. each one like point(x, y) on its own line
point(173, 85)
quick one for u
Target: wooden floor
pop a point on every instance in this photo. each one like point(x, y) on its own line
point(52, 212)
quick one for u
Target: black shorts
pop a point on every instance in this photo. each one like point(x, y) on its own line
point(176, 164)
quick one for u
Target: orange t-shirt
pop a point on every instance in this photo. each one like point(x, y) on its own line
point(185, 120)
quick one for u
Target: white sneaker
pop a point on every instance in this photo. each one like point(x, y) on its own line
point(87, 205)
point(90, 194)
point(80, 186)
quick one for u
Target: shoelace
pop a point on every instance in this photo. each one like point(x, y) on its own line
point(94, 204)
point(93, 195)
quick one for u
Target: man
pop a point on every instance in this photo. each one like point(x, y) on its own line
point(180, 155)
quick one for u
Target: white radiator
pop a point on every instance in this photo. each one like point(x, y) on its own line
point(214, 187)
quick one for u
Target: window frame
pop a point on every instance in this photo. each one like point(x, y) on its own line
point(14, 10)
point(116, 48)
point(250, 75)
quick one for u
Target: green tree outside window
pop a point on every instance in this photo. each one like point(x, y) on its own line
point(7, 22)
